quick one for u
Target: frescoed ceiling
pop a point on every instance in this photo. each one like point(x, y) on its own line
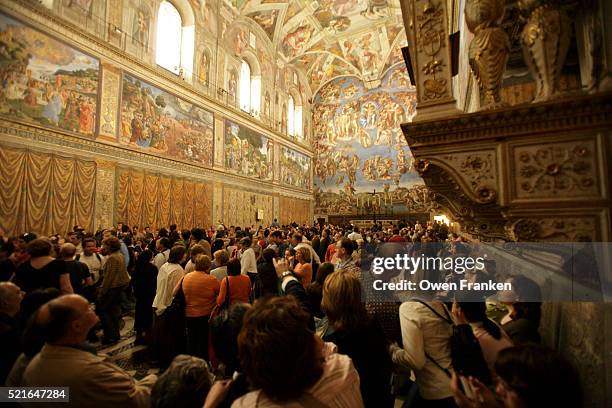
point(325, 39)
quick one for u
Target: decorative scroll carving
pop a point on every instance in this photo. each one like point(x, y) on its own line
point(478, 170)
point(433, 59)
point(110, 101)
point(545, 40)
point(105, 195)
point(488, 52)
point(554, 228)
point(557, 169)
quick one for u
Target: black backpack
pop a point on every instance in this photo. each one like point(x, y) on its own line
point(466, 354)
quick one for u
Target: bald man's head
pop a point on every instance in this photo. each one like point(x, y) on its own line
point(67, 251)
point(68, 319)
point(10, 298)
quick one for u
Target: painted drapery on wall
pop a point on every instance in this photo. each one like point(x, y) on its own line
point(294, 210)
point(45, 193)
point(151, 199)
point(247, 152)
point(241, 207)
point(159, 122)
point(294, 168)
point(359, 146)
point(46, 81)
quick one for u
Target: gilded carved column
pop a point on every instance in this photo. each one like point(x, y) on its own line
point(105, 194)
point(111, 81)
point(427, 33)
point(219, 142)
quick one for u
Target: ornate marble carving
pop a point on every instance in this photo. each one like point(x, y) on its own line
point(478, 170)
point(110, 101)
point(554, 170)
point(554, 228)
point(488, 52)
point(545, 40)
point(105, 194)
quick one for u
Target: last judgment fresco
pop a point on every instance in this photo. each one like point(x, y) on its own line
point(362, 163)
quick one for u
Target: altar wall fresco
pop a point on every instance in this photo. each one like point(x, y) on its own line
point(359, 146)
point(45, 81)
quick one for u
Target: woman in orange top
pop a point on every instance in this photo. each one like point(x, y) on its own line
point(239, 285)
point(201, 290)
point(303, 268)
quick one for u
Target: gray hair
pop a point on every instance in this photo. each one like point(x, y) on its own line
point(184, 384)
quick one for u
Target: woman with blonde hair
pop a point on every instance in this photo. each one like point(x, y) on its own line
point(358, 336)
point(303, 267)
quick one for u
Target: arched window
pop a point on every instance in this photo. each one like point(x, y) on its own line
point(175, 38)
point(294, 119)
point(245, 86)
point(250, 90)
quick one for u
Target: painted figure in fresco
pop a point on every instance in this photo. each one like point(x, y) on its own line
point(86, 116)
point(54, 105)
point(137, 130)
point(83, 6)
point(297, 39)
point(241, 41)
point(71, 113)
point(204, 68)
point(375, 9)
point(140, 29)
point(232, 85)
point(369, 115)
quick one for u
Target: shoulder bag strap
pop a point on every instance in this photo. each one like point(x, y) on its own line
point(449, 321)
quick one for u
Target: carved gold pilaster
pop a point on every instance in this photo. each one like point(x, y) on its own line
point(109, 107)
point(217, 207)
point(426, 23)
point(219, 141)
point(105, 194)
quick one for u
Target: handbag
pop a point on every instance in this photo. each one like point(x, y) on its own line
point(212, 357)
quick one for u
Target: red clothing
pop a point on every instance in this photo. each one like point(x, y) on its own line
point(329, 254)
point(397, 238)
point(239, 287)
point(201, 292)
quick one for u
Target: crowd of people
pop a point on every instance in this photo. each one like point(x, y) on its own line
point(263, 316)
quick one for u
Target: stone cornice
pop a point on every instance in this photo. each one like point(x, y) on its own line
point(522, 120)
point(107, 52)
point(59, 142)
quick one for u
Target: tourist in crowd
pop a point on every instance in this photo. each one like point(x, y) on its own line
point(492, 338)
point(238, 285)
point(344, 255)
point(224, 336)
point(92, 259)
point(184, 384)
point(195, 251)
point(115, 281)
point(290, 257)
point(12, 255)
point(315, 290)
point(221, 260)
point(64, 361)
point(426, 332)
point(144, 282)
point(198, 237)
point(358, 336)
point(80, 278)
point(248, 259)
point(303, 267)
point(528, 376)
point(201, 291)
point(524, 310)
point(42, 270)
point(162, 247)
point(168, 277)
point(266, 282)
point(287, 363)
point(10, 327)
